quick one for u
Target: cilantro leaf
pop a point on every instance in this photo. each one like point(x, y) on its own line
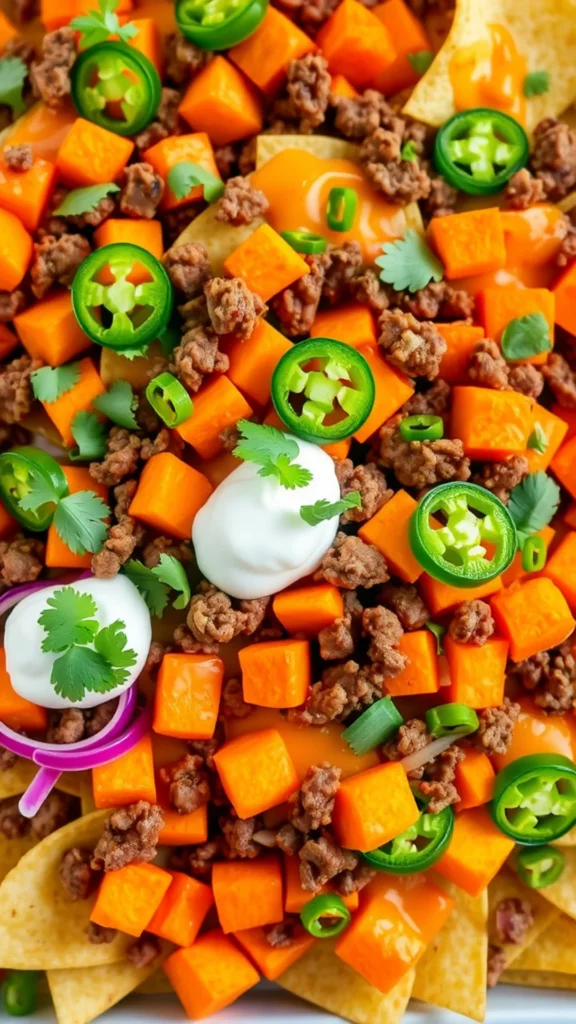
point(273, 451)
point(68, 619)
point(135, 353)
point(13, 74)
point(185, 176)
point(154, 592)
point(80, 669)
point(533, 503)
point(421, 60)
point(49, 384)
point(322, 510)
point(171, 572)
point(41, 493)
point(111, 642)
point(83, 200)
point(408, 151)
point(538, 440)
point(90, 435)
point(526, 336)
point(119, 404)
point(97, 25)
point(536, 83)
point(438, 632)
point(79, 521)
point(408, 264)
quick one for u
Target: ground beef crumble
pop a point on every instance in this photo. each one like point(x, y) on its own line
point(438, 300)
point(321, 860)
point(357, 117)
point(343, 689)
point(552, 674)
point(232, 307)
point(16, 396)
point(238, 836)
point(371, 484)
point(472, 623)
point(385, 631)
point(410, 738)
point(553, 157)
point(19, 158)
point(561, 380)
point(496, 727)
point(211, 617)
point(312, 805)
point(496, 965)
point(412, 346)
point(21, 560)
point(406, 603)
point(188, 268)
point(144, 951)
point(297, 305)
point(421, 464)
point(99, 936)
point(350, 563)
point(184, 59)
point(404, 181)
point(502, 477)
point(344, 265)
point(142, 191)
point(308, 89)
point(130, 837)
point(281, 936)
point(487, 367)
point(11, 303)
point(198, 355)
point(121, 459)
point(188, 783)
point(523, 190)
point(56, 261)
point(513, 919)
point(50, 77)
point(437, 784)
point(241, 203)
point(76, 875)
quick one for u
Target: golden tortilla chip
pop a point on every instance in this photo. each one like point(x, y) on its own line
point(452, 971)
point(13, 781)
point(12, 850)
point(325, 980)
point(563, 892)
point(544, 32)
point(508, 886)
point(555, 949)
point(156, 985)
point(137, 372)
point(219, 238)
point(82, 995)
point(40, 928)
point(570, 838)
point(322, 146)
point(539, 979)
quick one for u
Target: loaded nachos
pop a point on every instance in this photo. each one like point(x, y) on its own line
point(287, 502)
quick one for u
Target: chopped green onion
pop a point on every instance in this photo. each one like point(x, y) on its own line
point(341, 208)
point(421, 428)
point(305, 241)
point(169, 399)
point(375, 726)
point(534, 553)
point(451, 720)
point(331, 906)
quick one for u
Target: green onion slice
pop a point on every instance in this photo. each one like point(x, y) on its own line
point(341, 208)
point(329, 906)
point(534, 553)
point(451, 720)
point(375, 726)
point(169, 399)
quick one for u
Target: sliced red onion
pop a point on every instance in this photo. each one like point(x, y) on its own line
point(79, 760)
point(14, 595)
point(41, 786)
point(421, 757)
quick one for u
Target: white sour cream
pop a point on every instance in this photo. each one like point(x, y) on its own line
point(29, 667)
point(249, 537)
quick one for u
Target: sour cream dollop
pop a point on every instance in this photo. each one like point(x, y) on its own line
point(249, 537)
point(29, 667)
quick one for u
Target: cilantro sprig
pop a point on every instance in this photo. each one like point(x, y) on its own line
point(533, 503)
point(273, 451)
point(79, 521)
point(84, 200)
point(71, 624)
point(526, 336)
point(421, 60)
point(536, 83)
point(97, 25)
point(89, 434)
point(48, 384)
point(538, 440)
point(155, 584)
point(322, 510)
point(119, 404)
point(409, 264)
point(13, 74)
point(184, 176)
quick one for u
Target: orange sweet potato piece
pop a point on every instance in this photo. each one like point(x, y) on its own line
point(56, 13)
point(77, 399)
point(561, 568)
point(264, 56)
point(180, 829)
point(145, 233)
point(197, 149)
point(381, 943)
point(477, 674)
point(221, 102)
point(248, 893)
point(537, 732)
point(7, 30)
point(16, 712)
point(474, 779)
point(388, 530)
point(44, 129)
point(49, 330)
point(295, 897)
point(169, 494)
point(58, 554)
point(26, 193)
point(253, 361)
point(469, 243)
point(353, 325)
point(441, 597)
point(491, 424)
point(8, 341)
point(373, 807)
point(555, 430)
point(499, 305)
point(147, 41)
point(563, 465)
point(128, 898)
point(308, 609)
point(217, 405)
point(7, 524)
point(408, 37)
point(421, 673)
point(534, 615)
point(565, 295)
point(461, 340)
point(15, 250)
point(256, 771)
point(276, 673)
point(357, 44)
point(91, 155)
point(210, 974)
point(476, 852)
point(127, 779)
point(266, 263)
point(188, 696)
point(182, 911)
point(340, 86)
point(272, 962)
point(568, 416)
point(392, 390)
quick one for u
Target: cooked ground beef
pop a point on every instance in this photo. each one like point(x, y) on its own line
point(50, 77)
point(410, 738)
point(19, 158)
point(403, 181)
point(502, 477)
point(336, 641)
point(345, 262)
point(308, 92)
point(98, 935)
point(281, 936)
point(312, 805)
point(406, 603)
point(16, 396)
point(472, 623)
point(496, 727)
point(513, 919)
point(435, 401)
point(350, 563)
point(211, 617)
point(56, 811)
point(123, 537)
point(523, 190)
point(77, 876)
point(442, 198)
point(226, 159)
point(188, 268)
point(166, 123)
point(367, 290)
point(370, 482)
point(439, 300)
point(343, 689)
point(241, 203)
point(130, 837)
point(561, 379)
point(197, 356)
point(297, 305)
point(385, 632)
point(142, 190)
point(121, 459)
point(166, 545)
point(56, 261)
point(13, 825)
point(66, 726)
point(21, 560)
point(232, 703)
point(144, 951)
point(184, 59)
point(354, 879)
point(412, 346)
point(238, 836)
point(289, 840)
point(421, 464)
point(553, 157)
point(360, 116)
point(11, 303)
point(232, 307)
point(438, 781)
point(487, 368)
point(321, 860)
point(496, 965)
point(526, 379)
point(188, 783)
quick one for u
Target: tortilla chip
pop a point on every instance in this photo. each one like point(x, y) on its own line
point(11, 850)
point(14, 781)
point(156, 985)
point(40, 928)
point(219, 238)
point(322, 146)
point(545, 34)
point(321, 978)
point(452, 971)
point(506, 886)
point(554, 950)
point(82, 995)
point(563, 892)
point(539, 979)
